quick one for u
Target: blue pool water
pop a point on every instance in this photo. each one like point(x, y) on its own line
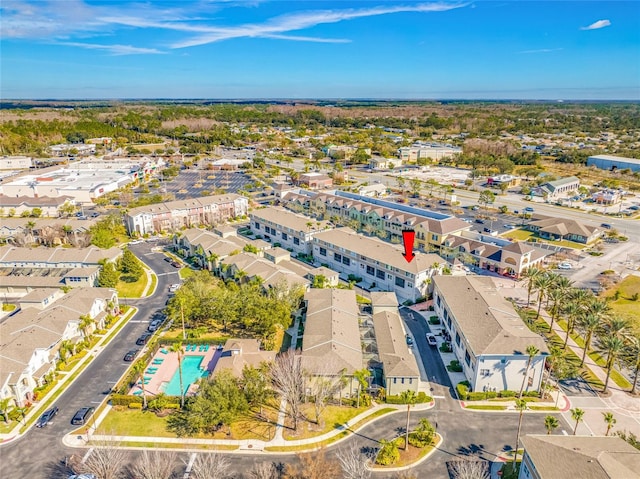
point(191, 372)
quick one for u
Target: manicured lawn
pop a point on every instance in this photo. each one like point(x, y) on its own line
point(624, 305)
point(520, 235)
point(331, 418)
point(482, 407)
point(524, 235)
point(185, 272)
point(130, 289)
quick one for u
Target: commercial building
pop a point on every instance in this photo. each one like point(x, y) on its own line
point(384, 163)
point(379, 217)
point(15, 162)
point(290, 230)
point(379, 265)
point(607, 197)
point(399, 368)
point(331, 342)
point(174, 215)
point(555, 189)
point(315, 180)
point(551, 228)
point(613, 163)
point(32, 337)
point(432, 152)
point(487, 335)
point(584, 457)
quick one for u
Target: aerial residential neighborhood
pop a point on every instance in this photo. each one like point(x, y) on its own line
point(285, 240)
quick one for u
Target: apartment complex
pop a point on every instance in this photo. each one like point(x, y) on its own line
point(17, 205)
point(487, 335)
point(292, 231)
point(380, 265)
point(31, 338)
point(16, 257)
point(399, 368)
point(331, 341)
point(272, 270)
point(207, 248)
point(432, 152)
point(174, 215)
point(379, 217)
point(584, 457)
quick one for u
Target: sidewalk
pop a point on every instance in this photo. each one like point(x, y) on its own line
point(245, 445)
point(37, 408)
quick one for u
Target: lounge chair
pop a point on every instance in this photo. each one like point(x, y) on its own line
point(151, 371)
point(206, 348)
point(138, 393)
point(147, 378)
point(164, 351)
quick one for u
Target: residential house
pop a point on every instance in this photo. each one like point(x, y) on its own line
point(290, 230)
point(240, 353)
point(487, 335)
point(207, 248)
point(48, 258)
point(331, 278)
point(584, 457)
point(174, 215)
point(48, 231)
point(379, 265)
point(17, 205)
point(16, 283)
point(399, 368)
point(557, 229)
point(331, 341)
point(246, 267)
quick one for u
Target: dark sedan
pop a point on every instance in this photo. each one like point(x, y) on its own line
point(47, 417)
point(131, 355)
point(142, 340)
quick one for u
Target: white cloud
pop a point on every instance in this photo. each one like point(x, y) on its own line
point(114, 49)
point(542, 50)
point(597, 25)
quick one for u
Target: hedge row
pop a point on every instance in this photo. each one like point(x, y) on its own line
point(197, 341)
point(420, 399)
point(465, 395)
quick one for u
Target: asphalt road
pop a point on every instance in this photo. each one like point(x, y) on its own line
point(38, 453)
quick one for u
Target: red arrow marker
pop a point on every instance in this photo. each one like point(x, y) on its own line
point(408, 237)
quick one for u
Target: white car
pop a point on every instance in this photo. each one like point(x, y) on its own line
point(431, 340)
point(565, 266)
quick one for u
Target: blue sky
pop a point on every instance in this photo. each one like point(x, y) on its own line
point(76, 49)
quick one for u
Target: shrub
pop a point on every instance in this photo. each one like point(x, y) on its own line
point(135, 405)
point(445, 348)
point(388, 453)
point(462, 389)
point(477, 396)
point(423, 435)
point(434, 320)
point(173, 406)
point(492, 394)
point(455, 366)
point(507, 394)
point(532, 394)
point(354, 278)
point(421, 398)
point(124, 399)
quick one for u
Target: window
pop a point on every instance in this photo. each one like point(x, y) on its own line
point(284, 236)
point(380, 274)
point(467, 358)
point(484, 372)
point(395, 380)
point(257, 225)
point(458, 339)
point(399, 282)
point(402, 380)
point(323, 252)
point(434, 237)
point(449, 322)
point(337, 257)
point(438, 301)
point(371, 270)
point(296, 241)
point(346, 261)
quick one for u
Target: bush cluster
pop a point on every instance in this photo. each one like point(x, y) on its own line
point(421, 398)
point(125, 400)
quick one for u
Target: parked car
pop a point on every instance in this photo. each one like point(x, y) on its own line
point(46, 417)
point(82, 416)
point(131, 355)
point(154, 325)
point(431, 340)
point(565, 266)
point(529, 209)
point(142, 340)
point(95, 215)
point(176, 264)
point(480, 221)
point(167, 259)
point(606, 226)
point(409, 340)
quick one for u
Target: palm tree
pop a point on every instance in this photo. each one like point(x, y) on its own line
point(611, 346)
point(530, 275)
point(610, 419)
point(409, 398)
point(556, 295)
point(550, 423)
point(576, 414)
point(632, 358)
point(589, 324)
point(572, 311)
point(521, 405)
point(361, 375)
point(532, 351)
point(4, 408)
point(85, 322)
point(542, 284)
point(617, 327)
point(177, 348)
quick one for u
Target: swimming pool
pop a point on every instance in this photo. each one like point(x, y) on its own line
point(191, 372)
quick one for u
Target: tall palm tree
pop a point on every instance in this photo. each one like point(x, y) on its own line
point(85, 322)
point(550, 423)
point(542, 284)
point(532, 352)
point(572, 311)
point(617, 326)
point(610, 345)
point(361, 375)
point(589, 323)
point(521, 405)
point(632, 358)
point(610, 419)
point(557, 296)
point(576, 414)
point(409, 398)
point(530, 275)
point(177, 348)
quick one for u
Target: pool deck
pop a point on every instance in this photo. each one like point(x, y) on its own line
point(169, 365)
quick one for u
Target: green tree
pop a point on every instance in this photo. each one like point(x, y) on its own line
point(361, 376)
point(550, 423)
point(102, 237)
point(388, 453)
point(589, 324)
point(532, 352)
point(611, 346)
point(85, 323)
point(576, 414)
point(177, 348)
point(36, 212)
point(409, 398)
point(416, 186)
point(486, 198)
point(109, 276)
point(423, 434)
point(530, 275)
point(632, 358)
point(130, 265)
point(610, 420)
point(4, 408)
point(66, 209)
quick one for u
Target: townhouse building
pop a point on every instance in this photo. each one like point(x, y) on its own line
point(381, 266)
point(271, 273)
point(399, 368)
point(174, 215)
point(487, 335)
point(292, 231)
point(375, 216)
point(49, 231)
point(51, 258)
point(208, 248)
point(18, 205)
point(31, 338)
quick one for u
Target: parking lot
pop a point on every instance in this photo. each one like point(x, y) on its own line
point(192, 183)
